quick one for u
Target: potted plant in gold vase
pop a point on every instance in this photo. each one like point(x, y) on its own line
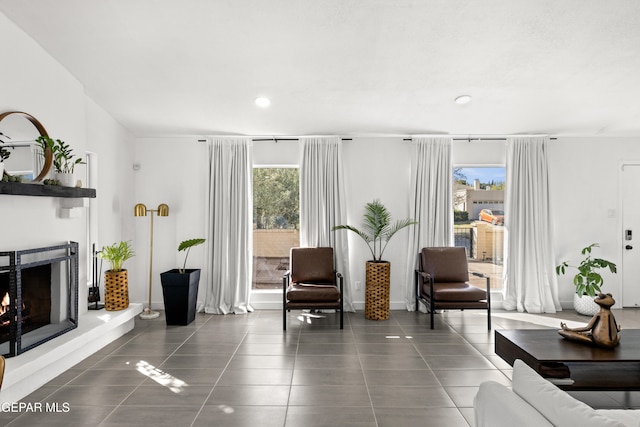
point(180, 288)
point(587, 280)
point(376, 231)
point(116, 287)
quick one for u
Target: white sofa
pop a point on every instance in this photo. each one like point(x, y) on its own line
point(534, 401)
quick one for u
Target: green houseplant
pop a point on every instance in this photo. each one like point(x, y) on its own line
point(64, 161)
point(587, 279)
point(376, 231)
point(187, 245)
point(4, 155)
point(377, 228)
point(116, 288)
point(180, 288)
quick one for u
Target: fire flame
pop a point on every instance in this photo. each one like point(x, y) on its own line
point(5, 304)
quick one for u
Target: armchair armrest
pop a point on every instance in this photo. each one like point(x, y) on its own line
point(286, 278)
point(488, 279)
point(477, 274)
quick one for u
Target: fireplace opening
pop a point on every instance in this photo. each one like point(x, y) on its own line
point(38, 296)
point(36, 300)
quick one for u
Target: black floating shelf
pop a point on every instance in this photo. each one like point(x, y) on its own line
point(20, 189)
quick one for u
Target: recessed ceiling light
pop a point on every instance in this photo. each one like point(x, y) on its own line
point(463, 99)
point(262, 102)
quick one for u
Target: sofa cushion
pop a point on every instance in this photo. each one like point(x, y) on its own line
point(313, 292)
point(496, 405)
point(628, 417)
point(554, 404)
point(455, 291)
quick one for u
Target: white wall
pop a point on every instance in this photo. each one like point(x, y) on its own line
point(584, 176)
point(33, 82)
point(378, 168)
point(172, 171)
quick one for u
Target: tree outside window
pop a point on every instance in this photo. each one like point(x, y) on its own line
point(276, 223)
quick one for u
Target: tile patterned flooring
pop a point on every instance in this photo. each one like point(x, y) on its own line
point(242, 370)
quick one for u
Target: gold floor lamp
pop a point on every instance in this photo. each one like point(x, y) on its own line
point(141, 210)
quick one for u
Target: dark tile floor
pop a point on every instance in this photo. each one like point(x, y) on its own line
point(242, 370)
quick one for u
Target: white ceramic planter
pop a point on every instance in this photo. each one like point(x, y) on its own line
point(584, 304)
point(66, 179)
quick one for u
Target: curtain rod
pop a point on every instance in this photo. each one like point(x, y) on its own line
point(481, 138)
point(276, 139)
point(288, 139)
point(404, 139)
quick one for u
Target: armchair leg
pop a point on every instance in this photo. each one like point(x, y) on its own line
point(285, 284)
point(488, 303)
point(431, 310)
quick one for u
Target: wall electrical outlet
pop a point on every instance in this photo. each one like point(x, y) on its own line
point(358, 285)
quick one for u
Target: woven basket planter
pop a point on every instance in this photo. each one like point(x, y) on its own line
point(376, 306)
point(116, 290)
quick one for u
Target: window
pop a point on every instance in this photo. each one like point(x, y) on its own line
point(276, 223)
point(478, 202)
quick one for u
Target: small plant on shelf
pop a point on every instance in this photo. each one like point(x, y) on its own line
point(64, 160)
point(4, 153)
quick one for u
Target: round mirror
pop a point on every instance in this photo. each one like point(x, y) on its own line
point(18, 132)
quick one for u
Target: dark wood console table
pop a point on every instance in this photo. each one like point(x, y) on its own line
point(572, 365)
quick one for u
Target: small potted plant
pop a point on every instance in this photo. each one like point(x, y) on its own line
point(116, 287)
point(377, 230)
point(64, 161)
point(587, 280)
point(4, 154)
point(180, 288)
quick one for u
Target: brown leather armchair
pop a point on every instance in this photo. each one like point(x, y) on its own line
point(442, 281)
point(311, 283)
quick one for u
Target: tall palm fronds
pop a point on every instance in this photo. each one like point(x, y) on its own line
point(377, 228)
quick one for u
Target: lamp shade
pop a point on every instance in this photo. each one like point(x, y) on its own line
point(163, 210)
point(140, 210)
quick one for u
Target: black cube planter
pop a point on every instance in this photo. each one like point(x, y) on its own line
point(180, 293)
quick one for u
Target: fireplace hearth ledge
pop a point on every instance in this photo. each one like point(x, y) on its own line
point(31, 370)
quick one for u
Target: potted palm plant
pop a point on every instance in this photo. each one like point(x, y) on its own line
point(116, 286)
point(64, 161)
point(587, 280)
point(376, 231)
point(180, 288)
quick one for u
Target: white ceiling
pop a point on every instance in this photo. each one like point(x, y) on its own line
point(349, 67)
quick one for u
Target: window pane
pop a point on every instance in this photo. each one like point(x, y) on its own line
point(276, 219)
point(479, 219)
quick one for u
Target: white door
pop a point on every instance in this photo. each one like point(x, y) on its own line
point(630, 187)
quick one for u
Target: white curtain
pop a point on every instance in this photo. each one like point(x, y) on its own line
point(430, 202)
point(529, 274)
point(323, 201)
point(229, 226)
